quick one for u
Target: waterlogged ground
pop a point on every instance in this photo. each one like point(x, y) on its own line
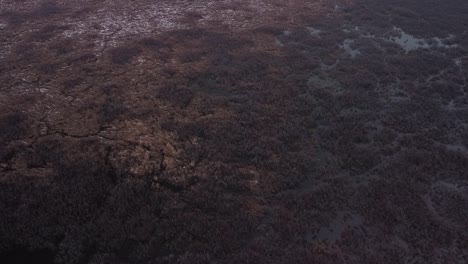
point(234, 131)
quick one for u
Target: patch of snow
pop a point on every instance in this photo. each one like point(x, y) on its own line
point(347, 30)
point(409, 42)
point(368, 36)
point(313, 31)
point(349, 50)
point(458, 62)
point(278, 43)
point(116, 22)
point(406, 41)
